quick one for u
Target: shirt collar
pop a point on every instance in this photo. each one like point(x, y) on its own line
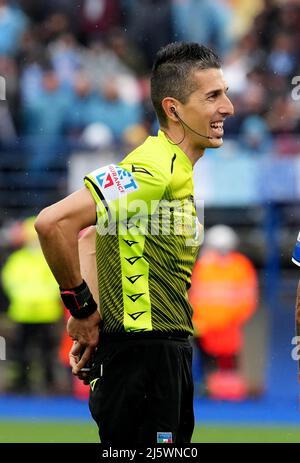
point(175, 149)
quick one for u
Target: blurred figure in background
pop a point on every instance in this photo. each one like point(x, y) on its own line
point(149, 25)
point(255, 138)
point(35, 308)
point(13, 23)
point(224, 295)
point(203, 22)
point(97, 17)
point(66, 57)
point(44, 121)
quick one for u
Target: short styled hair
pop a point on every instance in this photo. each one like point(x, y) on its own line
point(172, 72)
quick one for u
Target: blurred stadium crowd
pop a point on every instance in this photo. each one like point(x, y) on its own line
point(69, 65)
point(77, 80)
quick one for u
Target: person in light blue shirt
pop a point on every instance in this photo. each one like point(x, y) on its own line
point(13, 23)
point(202, 21)
point(44, 119)
point(82, 102)
point(108, 108)
point(255, 137)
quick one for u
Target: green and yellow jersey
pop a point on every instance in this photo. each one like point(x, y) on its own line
point(147, 238)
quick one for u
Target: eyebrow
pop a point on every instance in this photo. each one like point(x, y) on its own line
point(217, 90)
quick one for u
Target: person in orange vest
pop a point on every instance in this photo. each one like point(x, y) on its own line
point(224, 295)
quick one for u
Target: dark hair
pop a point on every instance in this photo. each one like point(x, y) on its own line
point(172, 72)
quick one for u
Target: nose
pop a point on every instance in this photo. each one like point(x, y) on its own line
point(227, 108)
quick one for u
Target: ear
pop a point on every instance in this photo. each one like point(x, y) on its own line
point(169, 106)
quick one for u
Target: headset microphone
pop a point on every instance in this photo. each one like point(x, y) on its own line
point(197, 133)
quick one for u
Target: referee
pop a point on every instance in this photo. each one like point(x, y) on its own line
point(147, 239)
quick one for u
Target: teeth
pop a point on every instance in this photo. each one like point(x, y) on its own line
point(217, 125)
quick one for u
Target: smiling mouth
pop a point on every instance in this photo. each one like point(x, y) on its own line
point(217, 129)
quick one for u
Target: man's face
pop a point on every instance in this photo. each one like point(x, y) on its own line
point(206, 109)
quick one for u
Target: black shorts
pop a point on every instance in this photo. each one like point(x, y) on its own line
point(142, 390)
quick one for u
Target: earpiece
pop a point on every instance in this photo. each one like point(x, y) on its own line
point(173, 109)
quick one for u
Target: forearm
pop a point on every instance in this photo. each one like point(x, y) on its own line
point(59, 242)
point(87, 256)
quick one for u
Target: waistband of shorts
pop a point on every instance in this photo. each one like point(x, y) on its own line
point(120, 336)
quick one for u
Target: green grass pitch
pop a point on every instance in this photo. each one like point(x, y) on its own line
point(84, 432)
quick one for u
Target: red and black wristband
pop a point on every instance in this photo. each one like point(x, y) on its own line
point(79, 301)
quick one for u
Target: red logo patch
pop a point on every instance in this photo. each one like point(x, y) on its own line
point(108, 181)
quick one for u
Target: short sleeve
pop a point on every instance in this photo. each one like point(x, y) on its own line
point(126, 189)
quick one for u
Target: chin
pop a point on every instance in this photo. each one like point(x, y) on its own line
point(216, 143)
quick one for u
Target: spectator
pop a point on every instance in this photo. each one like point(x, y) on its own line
point(224, 295)
point(8, 133)
point(149, 25)
point(54, 26)
point(110, 110)
point(282, 59)
point(10, 95)
point(202, 21)
point(81, 102)
point(255, 138)
point(244, 13)
point(101, 65)
point(66, 57)
point(266, 24)
point(129, 55)
point(32, 59)
point(289, 17)
point(104, 107)
point(44, 119)
point(34, 307)
point(98, 17)
point(282, 116)
point(13, 24)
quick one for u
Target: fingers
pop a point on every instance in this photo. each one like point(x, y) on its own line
point(84, 376)
point(74, 355)
point(74, 359)
point(85, 357)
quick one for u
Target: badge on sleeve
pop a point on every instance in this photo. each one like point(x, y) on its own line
point(114, 181)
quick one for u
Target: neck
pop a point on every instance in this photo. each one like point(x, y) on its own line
point(186, 145)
